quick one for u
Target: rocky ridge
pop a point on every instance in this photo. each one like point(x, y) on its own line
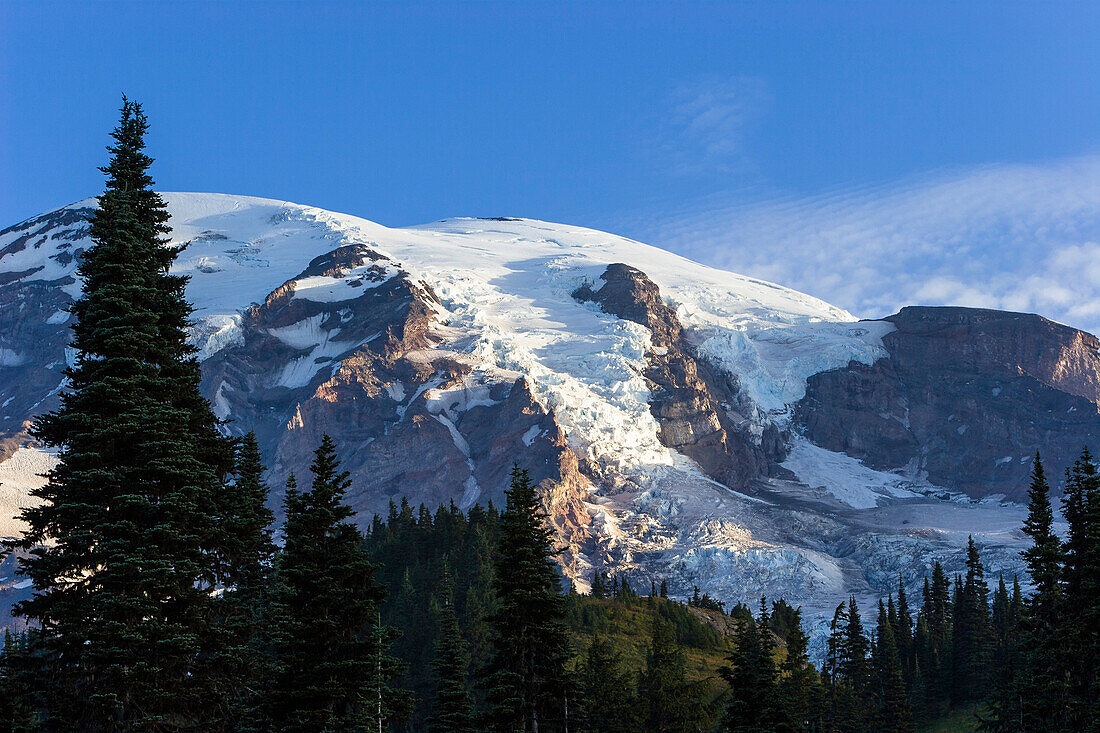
point(694, 403)
point(966, 397)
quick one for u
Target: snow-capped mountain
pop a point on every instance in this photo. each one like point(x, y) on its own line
point(684, 422)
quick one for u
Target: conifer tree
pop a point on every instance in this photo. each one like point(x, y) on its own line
point(847, 670)
point(599, 586)
point(894, 715)
point(754, 705)
point(938, 606)
point(330, 670)
point(799, 687)
point(238, 664)
point(1032, 693)
point(854, 666)
point(527, 686)
point(123, 547)
point(1004, 702)
point(1045, 557)
point(17, 690)
point(452, 705)
point(607, 703)
point(972, 633)
point(672, 703)
point(830, 672)
point(938, 610)
point(1081, 508)
point(904, 635)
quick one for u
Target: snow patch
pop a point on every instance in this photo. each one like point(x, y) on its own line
point(9, 358)
point(532, 432)
point(843, 477)
point(19, 475)
point(351, 285)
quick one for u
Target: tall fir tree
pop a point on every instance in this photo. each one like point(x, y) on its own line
point(123, 547)
point(904, 635)
point(525, 678)
point(754, 706)
point(800, 691)
point(1035, 697)
point(893, 715)
point(17, 690)
point(606, 691)
point(1004, 701)
point(237, 664)
point(330, 668)
point(672, 702)
point(1081, 508)
point(972, 634)
point(1046, 556)
point(452, 708)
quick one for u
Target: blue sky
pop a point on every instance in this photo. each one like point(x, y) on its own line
point(873, 154)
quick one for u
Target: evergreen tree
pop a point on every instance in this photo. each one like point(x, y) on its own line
point(452, 705)
point(938, 612)
point(799, 687)
point(1045, 557)
point(754, 705)
point(837, 699)
point(1031, 693)
point(17, 690)
point(606, 703)
point(972, 633)
point(903, 632)
point(599, 585)
point(123, 547)
point(938, 606)
point(854, 666)
point(848, 670)
point(330, 671)
point(894, 715)
point(672, 703)
point(527, 687)
point(1005, 698)
point(1081, 608)
point(237, 666)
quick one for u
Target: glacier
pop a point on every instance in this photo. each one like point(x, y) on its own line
point(831, 527)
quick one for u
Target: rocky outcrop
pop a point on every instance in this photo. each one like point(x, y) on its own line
point(966, 396)
point(412, 419)
point(694, 403)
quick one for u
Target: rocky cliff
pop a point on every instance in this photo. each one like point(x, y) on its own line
point(966, 397)
point(695, 404)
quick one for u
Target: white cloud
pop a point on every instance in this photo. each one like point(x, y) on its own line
point(1017, 237)
point(708, 121)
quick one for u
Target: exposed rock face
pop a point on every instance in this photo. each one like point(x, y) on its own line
point(966, 395)
point(412, 419)
point(693, 402)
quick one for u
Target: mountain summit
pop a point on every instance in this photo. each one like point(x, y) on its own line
point(684, 423)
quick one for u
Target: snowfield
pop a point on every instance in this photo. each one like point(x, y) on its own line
point(505, 288)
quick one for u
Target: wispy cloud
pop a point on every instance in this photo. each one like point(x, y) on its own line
point(1018, 237)
point(708, 120)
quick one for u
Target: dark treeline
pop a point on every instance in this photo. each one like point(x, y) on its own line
point(161, 602)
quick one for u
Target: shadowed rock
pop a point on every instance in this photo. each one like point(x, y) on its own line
point(966, 395)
